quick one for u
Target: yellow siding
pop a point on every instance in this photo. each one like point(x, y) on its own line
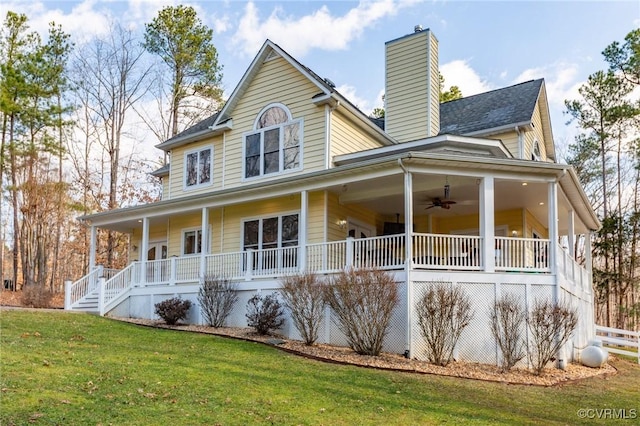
point(532, 224)
point(165, 187)
point(315, 218)
point(156, 233)
point(338, 212)
point(536, 134)
point(176, 189)
point(236, 214)
point(277, 81)
point(510, 141)
point(412, 87)
point(176, 225)
point(346, 137)
point(512, 219)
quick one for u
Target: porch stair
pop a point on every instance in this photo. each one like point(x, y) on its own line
point(89, 304)
point(112, 286)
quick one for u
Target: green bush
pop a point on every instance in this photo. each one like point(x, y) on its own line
point(172, 310)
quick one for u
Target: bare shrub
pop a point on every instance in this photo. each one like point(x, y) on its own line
point(216, 298)
point(507, 323)
point(363, 300)
point(551, 326)
point(265, 313)
point(35, 296)
point(443, 312)
point(303, 295)
point(172, 310)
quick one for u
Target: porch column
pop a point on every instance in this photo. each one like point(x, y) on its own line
point(92, 248)
point(487, 223)
point(302, 231)
point(144, 250)
point(552, 202)
point(204, 242)
point(408, 247)
point(571, 237)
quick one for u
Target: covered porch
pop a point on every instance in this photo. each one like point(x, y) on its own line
point(415, 212)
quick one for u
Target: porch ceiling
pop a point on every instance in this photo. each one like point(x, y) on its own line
point(385, 195)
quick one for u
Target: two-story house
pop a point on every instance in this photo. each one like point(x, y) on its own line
point(291, 176)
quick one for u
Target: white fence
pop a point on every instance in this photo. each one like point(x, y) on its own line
point(617, 341)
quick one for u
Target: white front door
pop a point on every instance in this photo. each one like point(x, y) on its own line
point(157, 271)
point(359, 230)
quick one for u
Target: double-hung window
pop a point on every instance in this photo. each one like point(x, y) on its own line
point(198, 168)
point(192, 242)
point(275, 144)
point(275, 239)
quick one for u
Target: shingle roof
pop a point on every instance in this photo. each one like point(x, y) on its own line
point(201, 125)
point(497, 108)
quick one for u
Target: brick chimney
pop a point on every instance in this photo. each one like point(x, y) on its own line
point(412, 86)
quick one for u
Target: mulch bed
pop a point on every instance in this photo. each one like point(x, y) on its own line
point(396, 362)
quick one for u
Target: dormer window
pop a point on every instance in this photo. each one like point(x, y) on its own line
point(274, 145)
point(535, 151)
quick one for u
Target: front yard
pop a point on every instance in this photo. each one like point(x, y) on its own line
point(64, 368)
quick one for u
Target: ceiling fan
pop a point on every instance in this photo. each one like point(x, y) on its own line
point(443, 203)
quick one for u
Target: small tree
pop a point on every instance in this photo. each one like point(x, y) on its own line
point(303, 295)
point(173, 310)
point(216, 298)
point(551, 326)
point(363, 300)
point(507, 322)
point(443, 312)
point(265, 313)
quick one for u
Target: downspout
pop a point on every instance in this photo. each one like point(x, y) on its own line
point(408, 264)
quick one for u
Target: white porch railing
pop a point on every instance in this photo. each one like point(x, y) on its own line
point(118, 284)
point(575, 273)
point(327, 257)
point(522, 254)
point(617, 341)
point(440, 251)
point(430, 251)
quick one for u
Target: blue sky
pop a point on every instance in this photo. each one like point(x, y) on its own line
point(483, 44)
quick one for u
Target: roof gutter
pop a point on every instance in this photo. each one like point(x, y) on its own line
point(524, 125)
point(208, 132)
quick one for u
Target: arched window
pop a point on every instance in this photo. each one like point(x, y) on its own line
point(535, 151)
point(274, 144)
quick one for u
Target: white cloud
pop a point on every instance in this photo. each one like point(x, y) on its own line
point(349, 92)
point(560, 80)
point(318, 30)
point(459, 73)
point(82, 21)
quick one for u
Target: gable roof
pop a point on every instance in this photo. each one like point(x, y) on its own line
point(222, 120)
point(509, 106)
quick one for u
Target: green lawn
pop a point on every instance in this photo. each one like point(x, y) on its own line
point(77, 369)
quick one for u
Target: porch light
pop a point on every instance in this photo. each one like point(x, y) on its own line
point(524, 184)
point(514, 233)
point(342, 223)
point(541, 203)
point(135, 248)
